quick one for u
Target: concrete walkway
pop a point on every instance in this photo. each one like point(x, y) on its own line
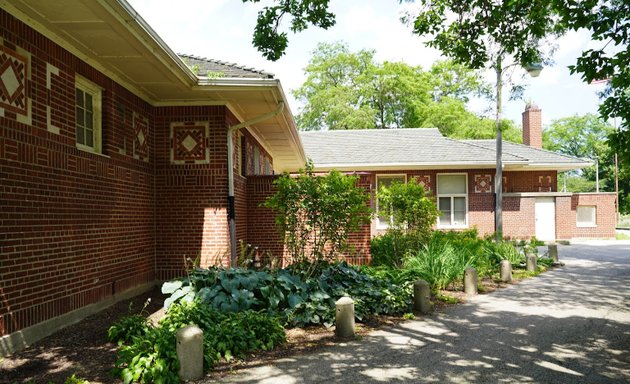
point(570, 325)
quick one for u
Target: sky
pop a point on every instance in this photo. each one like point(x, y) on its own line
point(222, 30)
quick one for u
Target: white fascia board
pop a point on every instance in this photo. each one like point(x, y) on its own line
point(163, 48)
point(234, 83)
point(402, 166)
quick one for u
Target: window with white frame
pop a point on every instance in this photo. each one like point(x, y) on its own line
point(586, 216)
point(383, 217)
point(88, 115)
point(452, 196)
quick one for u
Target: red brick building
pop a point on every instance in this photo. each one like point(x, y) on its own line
point(115, 165)
point(459, 174)
point(114, 159)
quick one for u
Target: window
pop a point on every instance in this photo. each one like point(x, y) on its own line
point(88, 115)
point(268, 170)
point(586, 216)
point(383, 219)
point(240, 141)
point(256, 160)
point(452, 194)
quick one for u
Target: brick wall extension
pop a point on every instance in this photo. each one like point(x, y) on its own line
point(532, 126)
point(75, 227)
point(566, 216)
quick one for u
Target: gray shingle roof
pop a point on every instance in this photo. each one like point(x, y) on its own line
point(415, 147)
point(533, 155)
point(222, 69)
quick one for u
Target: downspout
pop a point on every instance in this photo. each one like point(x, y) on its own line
point(230, 146)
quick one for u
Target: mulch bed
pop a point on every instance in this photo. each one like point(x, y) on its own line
point(82, 349)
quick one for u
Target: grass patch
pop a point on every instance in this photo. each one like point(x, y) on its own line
point(447, 299)
point(622, 236)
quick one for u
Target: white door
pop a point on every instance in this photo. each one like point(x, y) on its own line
point(545, 213)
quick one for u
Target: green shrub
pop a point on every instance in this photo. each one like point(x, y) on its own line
point(390, 248)
point(412, 218)
point(505, 250)
point(299, 295)
point(315, 214)
point(152, 356)
point(75, 380)
point(439, 263)
point(129, 326)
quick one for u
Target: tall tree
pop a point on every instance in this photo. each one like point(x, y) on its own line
point(487, 34)
point(350, 90)
point(608, 22)
point(585, 136)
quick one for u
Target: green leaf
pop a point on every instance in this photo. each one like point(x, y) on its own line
point(171, 286)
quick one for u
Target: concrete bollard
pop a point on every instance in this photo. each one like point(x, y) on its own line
point(344, 324)
point(470, 281)
point(190, 352)
point(506, 271)
point(532, 263)
point(422, 297)
point(553, 252)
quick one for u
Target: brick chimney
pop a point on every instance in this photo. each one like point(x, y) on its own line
point(532, 126)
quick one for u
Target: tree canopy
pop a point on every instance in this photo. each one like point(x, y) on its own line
point(351, 90)
point(584, 136)
point(518, 25)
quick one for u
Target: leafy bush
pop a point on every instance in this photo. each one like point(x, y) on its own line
point(504, 250)
point(439, 263)
point(411, 211)
point(152, 356)
point(129, 326)
point(316, 214)
point(299, 295)
point(75, 380)
point(413, 215)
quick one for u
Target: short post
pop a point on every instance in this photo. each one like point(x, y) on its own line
point(470, 281)
point(344, 325)
point(553, 252)
point(506, 271)
point(532, 263)
point(422, 297)
point(190, 352)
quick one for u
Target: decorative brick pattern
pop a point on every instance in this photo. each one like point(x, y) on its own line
point(189, 143)
point(13, 75)
point(425, 181)
point(141, 137)
point(544, 184)
point(52, 72)
point(483, 183)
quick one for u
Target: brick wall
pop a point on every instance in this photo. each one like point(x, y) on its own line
point(75, 227)
point(566, 216)
point(191, 193)
point(532, 126)
point(261, 227)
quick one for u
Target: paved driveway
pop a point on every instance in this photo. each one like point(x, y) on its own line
point(570, 325)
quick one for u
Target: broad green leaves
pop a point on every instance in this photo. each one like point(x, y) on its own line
point(299, 295)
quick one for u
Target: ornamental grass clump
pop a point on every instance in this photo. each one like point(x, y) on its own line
point(439, 263)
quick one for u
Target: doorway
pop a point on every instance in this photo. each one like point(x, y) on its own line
point(545, 216)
